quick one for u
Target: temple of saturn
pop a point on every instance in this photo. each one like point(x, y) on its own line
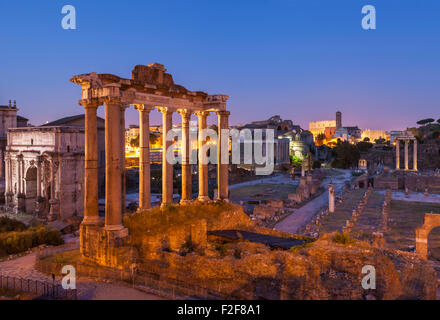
point(406, 136)
point(149, 88)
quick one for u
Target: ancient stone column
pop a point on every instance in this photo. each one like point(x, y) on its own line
point(19, 177)
point(331, 198)
point(185, 150)
point(222, 156)
point(415, 155)
point(397, 154)
point(38, 162)
point(144, 157)
point(53, 211)
point(113, 184)
point(406, 155)
point(167, 168)
point(203, 168)
point(91, 213)
point(122, 158)
point(6, 176)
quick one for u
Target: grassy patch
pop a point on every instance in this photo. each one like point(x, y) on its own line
point(343, 238)
point(65, 257)
point(404, 218)
point(266, 190)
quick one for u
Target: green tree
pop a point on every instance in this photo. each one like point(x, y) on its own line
point(346, 155)
point(295, 161)
point(425, 121)
point(320, 139)
point(364, 146)
point(134, 143)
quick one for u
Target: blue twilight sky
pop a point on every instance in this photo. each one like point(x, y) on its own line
point(300, 59)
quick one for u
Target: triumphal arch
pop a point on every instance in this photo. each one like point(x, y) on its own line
point(149, 88)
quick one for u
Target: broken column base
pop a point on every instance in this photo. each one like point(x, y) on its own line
point(106, 247)
point(39, 206)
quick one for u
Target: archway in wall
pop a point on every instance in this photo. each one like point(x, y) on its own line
point(434, 244)
point(431, 222)
point(31, 189)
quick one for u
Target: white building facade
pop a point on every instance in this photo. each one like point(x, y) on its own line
point(44, 171)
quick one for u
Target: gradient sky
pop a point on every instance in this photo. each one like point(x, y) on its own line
point(302, 60)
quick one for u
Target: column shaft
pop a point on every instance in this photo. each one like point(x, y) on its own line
point(167, 168)
point(52, 179)
point(113, 189)
point(203, 168)
point(144, 158)
point(6, 176)
point(222, 156)
point(406, 155)
point(20, 179)
point(185, 151)
point(415, 155)
point(122, 158)
point(38, 177)
point(397, 154)
point(91, 211)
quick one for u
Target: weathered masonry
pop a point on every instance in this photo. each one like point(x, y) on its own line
point(149, 88)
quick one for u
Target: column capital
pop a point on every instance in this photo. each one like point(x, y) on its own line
point(223, 113)
point(90, 103)
point(202, 113)
point(143, 107)
point(185, 113)
point(164, 110)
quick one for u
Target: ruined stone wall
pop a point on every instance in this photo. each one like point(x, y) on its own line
point(419, 183)
point(386, 183)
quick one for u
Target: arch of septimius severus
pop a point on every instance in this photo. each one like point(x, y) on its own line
point(150, 87)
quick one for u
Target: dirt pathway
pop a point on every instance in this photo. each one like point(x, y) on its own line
point(300, 217)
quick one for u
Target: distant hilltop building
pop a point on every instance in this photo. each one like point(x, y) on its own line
point(333, 130)
point(374, 135)
point(320, 127)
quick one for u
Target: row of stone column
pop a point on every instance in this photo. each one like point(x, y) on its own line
point(115, 160)
point(406, 157)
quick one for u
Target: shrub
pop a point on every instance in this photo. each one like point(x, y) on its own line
point(237, 253)
point(19, 241)
point(343, 238)
point(187, 247)
point(8, 224)
point(221, 248)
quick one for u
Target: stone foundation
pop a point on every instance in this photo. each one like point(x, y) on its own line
point(107, 248)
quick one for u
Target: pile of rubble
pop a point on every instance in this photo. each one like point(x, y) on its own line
point(307, 188)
